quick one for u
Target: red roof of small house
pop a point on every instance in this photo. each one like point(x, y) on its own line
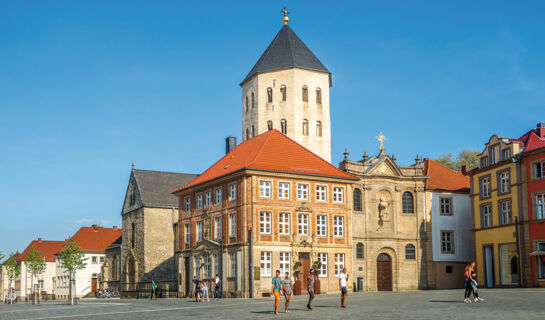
point(270, 151)
point(48, 249)
point(444, 178)
point(95, 239)
point(16, 254)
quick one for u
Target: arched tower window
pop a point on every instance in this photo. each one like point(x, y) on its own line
point(407, 202)
point(409, 252)
point(253, 131)
point(305, 94)
point(284, 126)
point(305, 127)
point(247, 103)
point(269, 95)
point(359, 251)
point(357, 199)
point(318, 95)
point(270, 125)
point(283, 92)
point(318, 128)
point(247, 133)
point(133, 235)
point(253, 100)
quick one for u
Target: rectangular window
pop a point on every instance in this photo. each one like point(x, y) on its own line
point(187, 204)
point(101, 260)
point(339, 263)
point(446, 206)
point(338, 194)
point(284, 223)
point(207, 273)
point(506, 154)
point(199, 201)
point(232, 192)
point(94, 259)
point(266, 263)
point(187, 233)
point(218, 196)
point(321, 225)
point(338, 226)
point(493, 155)
point(265, 189)
point(217, 222)
point(539, 170)
point(447, 241)
point(321, 194)
point(216, 264)
point(233, 225)
point(303, 224)
point(503, 178)
point(485, 187)
point(505, 212)
point(283, 190)
point(208, 198)
point(233, 259)
point(484, 162)
point(199, 230)
point(265, 222)
point(486, 216)
point(323, 269)
point(284, 263)
point(540, 206)
point(541, 261)
point(302, 191)
point(41, 284)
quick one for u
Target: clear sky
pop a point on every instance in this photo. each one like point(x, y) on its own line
point(88, 87)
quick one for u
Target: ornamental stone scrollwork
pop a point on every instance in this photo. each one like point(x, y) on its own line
point(398, 189)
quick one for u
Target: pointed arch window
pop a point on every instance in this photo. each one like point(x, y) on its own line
point(269, 95)
point(305, 127)
point(318, 128)
point(270, 125)
point(357, 199)
point(283, 92)
point(253, 131)
point(407, 202)
point(253, 100)
point(284, 126)
point(247, 104)
point(305, 94)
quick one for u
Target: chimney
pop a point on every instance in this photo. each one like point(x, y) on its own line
point(465, 169)
point(39, 239)
point(540, 130)
point(94, 226)
point(115, 227)
point(230, 144)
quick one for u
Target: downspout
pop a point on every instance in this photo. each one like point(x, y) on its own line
point(250, 253)
point(518, 250)
point(521, 260)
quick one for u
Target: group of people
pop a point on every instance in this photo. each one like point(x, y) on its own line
point(283, 287)
point(470, 283)
point(201, 289)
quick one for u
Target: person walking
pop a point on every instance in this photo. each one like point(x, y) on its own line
point(467, 283)
point(198, 289)
point(476, 296)
point(153, 289)
point(286, 289)
point(310, 288)
point(343, 277)
point(276, 290)
point(217, 293)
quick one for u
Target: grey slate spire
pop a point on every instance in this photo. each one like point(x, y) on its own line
point(286, 51)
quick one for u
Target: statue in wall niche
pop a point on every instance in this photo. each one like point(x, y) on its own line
point(313, 238)
point(382, 210)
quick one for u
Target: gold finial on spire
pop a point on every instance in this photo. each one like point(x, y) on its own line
point(286, 19)
point(381, 138)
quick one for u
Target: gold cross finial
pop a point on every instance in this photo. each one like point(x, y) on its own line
point(381, 138)
point(285, 19)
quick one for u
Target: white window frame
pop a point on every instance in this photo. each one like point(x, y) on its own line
point(232, 192)
point(265, 188)
point(504, 182)
point(217, 226)
point(302, 224)
point(485, 187)
point(322, 257)
point(285, 263)
point(505, 212)
point(302, 191)
point(206, 263)
point(265, 222)
point(339, 263)
point(283, 190)
point(266, 263)
point(233, 225)
point(218, 196)
point(199, 227)
point(208, 198)
point(321, 193)
point(338, 194)
point(233, 260)
point(445, 202)
point(199, 201)
point(187, 204)
point(321, 225)
point(284, 223)
point(447, 245)
point(487, 217)
point(338, 226)
point(187, 233)
point(540, 206)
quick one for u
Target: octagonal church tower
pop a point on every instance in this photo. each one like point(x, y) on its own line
point(288, 90)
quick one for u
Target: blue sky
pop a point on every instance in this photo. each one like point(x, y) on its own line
point(88, 87)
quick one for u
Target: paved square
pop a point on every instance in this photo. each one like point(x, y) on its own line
point(440, 304)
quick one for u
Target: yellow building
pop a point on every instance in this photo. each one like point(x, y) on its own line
point(495, 209)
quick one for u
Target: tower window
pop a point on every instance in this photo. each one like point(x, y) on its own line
point(283, 92)
point(269, 95)
point(247, 133)
point(284, 126)
point(246, 103)
point(305, 94)
point(253, 100)
point(305, 127)
point(318, 95)
point(318, 128)
point(253, 131)
point(270, 125)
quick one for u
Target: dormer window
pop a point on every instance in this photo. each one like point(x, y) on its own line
point(484, 162)
point(506, 154)
point(305, 94)
point(269, 95)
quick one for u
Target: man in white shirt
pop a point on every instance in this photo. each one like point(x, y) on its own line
point(217, 292)
point(343, 277)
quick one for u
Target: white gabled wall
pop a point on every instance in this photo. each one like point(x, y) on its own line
point(83, 277)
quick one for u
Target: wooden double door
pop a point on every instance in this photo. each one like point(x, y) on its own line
point(384, 272)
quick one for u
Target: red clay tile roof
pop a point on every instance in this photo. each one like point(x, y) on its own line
point(534, 142)
point(96, 239)
point(16, 254)
point(444, 178)
point(271, 151)
point(48, 249)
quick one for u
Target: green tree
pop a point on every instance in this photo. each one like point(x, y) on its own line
point(446, 160)
point(1, 256)
point(35, 264)
point(13, 270)
point(465, 157)
point(72, 259)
